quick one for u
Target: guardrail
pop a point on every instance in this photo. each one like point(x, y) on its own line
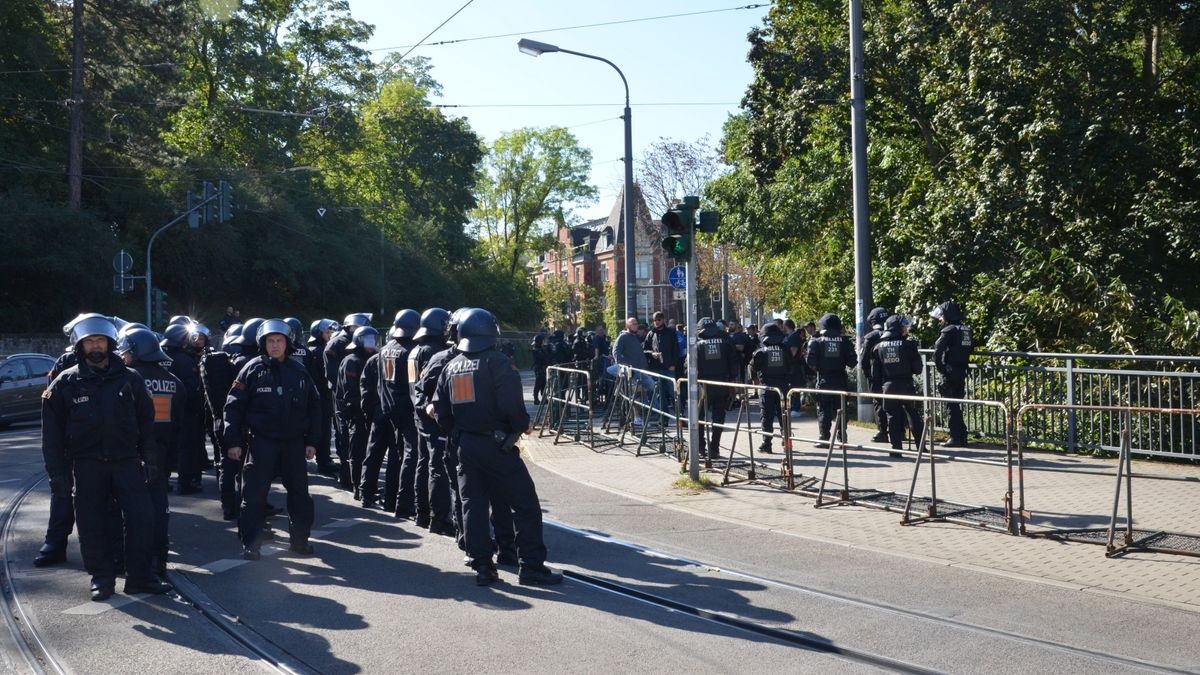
point(1132, 538)
point(1088, 386)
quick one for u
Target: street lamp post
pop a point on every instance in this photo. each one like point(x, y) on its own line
point(535, 48)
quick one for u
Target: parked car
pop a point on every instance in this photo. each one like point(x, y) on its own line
point(23, 378)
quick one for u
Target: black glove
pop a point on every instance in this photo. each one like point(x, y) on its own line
point(60, 486)
point(153, 475)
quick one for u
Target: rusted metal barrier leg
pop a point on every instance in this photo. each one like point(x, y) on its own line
point(906, 519)
point(927, 437)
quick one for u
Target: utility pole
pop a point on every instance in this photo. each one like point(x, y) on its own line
point(75, 152)
point(862, 224)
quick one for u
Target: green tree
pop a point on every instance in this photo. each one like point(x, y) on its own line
point(1036, 161)
point(529, 176)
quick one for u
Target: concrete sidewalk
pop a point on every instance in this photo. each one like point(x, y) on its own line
point(1057, 500)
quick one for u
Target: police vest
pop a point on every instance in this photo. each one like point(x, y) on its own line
point(830, 359)
point(895, 360)
point(299, 355)
point(775, 366)
point(959, 351)
point(712, 362)
point(163, 388)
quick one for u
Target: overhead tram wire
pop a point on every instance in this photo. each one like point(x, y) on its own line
point(427, 36)
point(565, 28)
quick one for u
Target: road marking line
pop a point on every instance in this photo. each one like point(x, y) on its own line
point(218, 566)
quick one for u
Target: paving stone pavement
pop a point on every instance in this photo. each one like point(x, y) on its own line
point(1055, 499)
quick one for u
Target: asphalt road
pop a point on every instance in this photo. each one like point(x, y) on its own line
point(384, 596)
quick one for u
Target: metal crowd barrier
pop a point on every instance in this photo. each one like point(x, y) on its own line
point(928, 508)
point(748, 468)
point(1090, 389)
point(1131, 538)
point(569, 406)
point(660, 423)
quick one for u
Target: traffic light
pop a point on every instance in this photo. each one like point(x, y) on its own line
point(710, 221)
point(225, 202)
point(159, 306)
point(210, 207)
point(678, 227)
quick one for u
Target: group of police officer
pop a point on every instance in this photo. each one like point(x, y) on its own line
point(438, 401)
point(889, 360)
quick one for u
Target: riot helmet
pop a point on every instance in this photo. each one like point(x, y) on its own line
point(830, 325)
point(433, 323)
point(142, 346)
point(92, 327)
point(249, 337)
point(316, 330)
point(877, 316)
point(895, 323)
point(231, 336)
point(297, 330)
point(70, 325)
point(357, 320)
point(406, 324)
point(947, 310)
point(365, 340)
point(132, 325)
point(452, 325)
point(477, 331)
point(706, 327)
point(175, 336)
point(196, 333)
point(772, 334)
point(179, 320)
point(268, 327)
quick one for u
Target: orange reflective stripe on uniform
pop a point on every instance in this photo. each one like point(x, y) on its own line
point(462, 388)
point(162, 407)
point(389, 369)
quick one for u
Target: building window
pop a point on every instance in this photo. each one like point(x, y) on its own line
point(643, 270)
point(579, 274)
point(604, 274)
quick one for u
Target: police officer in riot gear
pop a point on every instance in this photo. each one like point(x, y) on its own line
point(898, 359)
point(348, 395)
point(191, 432)
point(430, 339)
point(830, 353)
point(771, 368)
point(951, 357)
point(273, 411)
point(395, 387)
point(478, 398)
point(200, 345)
point(875, 319)
point(335, 351)
point(217, 373)
point(716, 360)
point(97, 425)
point(444, 509)
point(140, 351)
point(62, 504)
point(247, 343)
point(386, 402)
point(319, 334)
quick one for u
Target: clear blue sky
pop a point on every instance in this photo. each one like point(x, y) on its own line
point(689, 59)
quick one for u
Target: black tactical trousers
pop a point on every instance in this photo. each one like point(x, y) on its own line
point(230, 482)
point(897, 412)
point(484, 470)
point(62, 521)
point(881, 418)
point(827, 408)
point(381, 443)
point(269, 458)
point(341, 437)
point(443, 463)
point(772, 410)
point(956, 387)
point(159, 542)
point(97, 483)
point(191, 445)
point(325, 442)
point(406, 493)
point(359, 430)
point(714, 403)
